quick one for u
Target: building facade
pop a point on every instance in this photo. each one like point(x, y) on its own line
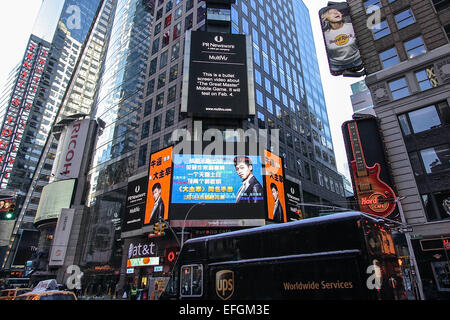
point(65, 38)
point(407, 61)
point(140, 97)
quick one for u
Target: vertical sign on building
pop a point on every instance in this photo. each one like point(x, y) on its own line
point(218, 75)
point(135, 204)
point(19, 107)
point(159, 186)
point(340, 39)
point(275, 196)
point(61, 239)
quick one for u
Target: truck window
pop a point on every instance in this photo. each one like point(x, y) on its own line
point(191, 280)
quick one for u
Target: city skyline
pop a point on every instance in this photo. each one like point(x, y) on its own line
point(333, 86)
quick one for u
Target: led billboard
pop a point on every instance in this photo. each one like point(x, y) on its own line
point(159, 184)
point(218, 75)
point(275, 196)
point(54, 197)
point(340, 39)
point(135, 204)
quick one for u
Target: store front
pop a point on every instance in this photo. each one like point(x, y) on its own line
point(433, 259)
point(148, 266)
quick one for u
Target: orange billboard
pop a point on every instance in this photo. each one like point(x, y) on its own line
point(276, 203)
point(159, 182)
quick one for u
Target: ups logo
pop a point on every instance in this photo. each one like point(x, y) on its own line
point(225, 284)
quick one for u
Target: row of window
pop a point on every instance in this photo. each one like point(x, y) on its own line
point(426, 79)
point(403, 19)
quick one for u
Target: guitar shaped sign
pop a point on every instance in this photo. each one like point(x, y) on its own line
point(374, 196)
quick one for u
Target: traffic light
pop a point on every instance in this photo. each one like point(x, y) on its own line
point(158, 228)
point(9, 213)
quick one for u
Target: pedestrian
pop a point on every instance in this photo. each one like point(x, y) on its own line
point(133, 293)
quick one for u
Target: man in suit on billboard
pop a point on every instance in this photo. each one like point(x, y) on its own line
point(251, 190)
point(158, 206)
point(278, 213)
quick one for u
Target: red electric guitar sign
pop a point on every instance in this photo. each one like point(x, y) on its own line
point(374, 196)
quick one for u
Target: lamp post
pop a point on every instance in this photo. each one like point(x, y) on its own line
point(412, 255)
point(184, 222)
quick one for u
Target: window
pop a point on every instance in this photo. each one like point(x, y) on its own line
point(157, 29)
point(161, 80)
point(155, 46)
point(177, 31)
point(155, 146)
point(415, 161)
point(172, 94)
point(381, 31)
point(142, 160)
point(399, 88)
point(261, 121)
point(150, 86)
point(191, 280)
point(145, 129)
point(389, 58)
point(427, 78)
point(173, 73)
point(415, 47)
point(436, 159)
point(178, 13)
point(159, 101)
point(163, 59)
point(424, 119)
point(165, 39)
point(440, 5)
point(188, 22)
point(436, 206)
point(404, 18)
point(148, 107)
point(170, 117)
point(157, 124)
point(168, 21)
point(153, 65)
point(175, 51)
point(369, 5)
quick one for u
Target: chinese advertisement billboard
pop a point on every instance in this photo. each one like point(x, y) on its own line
point(159, 184)
point(275, 196)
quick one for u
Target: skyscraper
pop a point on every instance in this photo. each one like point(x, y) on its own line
point(65, 39)
point(140, 97)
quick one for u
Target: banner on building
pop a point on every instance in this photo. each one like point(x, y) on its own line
point(61, 238)
point(340, 39)
point(135, 204)
point(275, 195)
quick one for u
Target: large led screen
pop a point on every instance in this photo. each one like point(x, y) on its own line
point(217, 179)
point(222, 187)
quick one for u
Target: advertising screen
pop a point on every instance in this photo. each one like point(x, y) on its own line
point(218, 75)
point(135, 204)
point(276, 204)
point(215, 179)
point(221, 190)
point(340, 39)
point(55, 196)
point(159, 183)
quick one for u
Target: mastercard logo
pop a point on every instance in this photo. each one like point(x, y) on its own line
point(342, 40)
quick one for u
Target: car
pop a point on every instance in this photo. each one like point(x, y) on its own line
point(48, 295)
point(11, 294)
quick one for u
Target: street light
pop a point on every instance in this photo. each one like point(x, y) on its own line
point(184, 223)
point(412, 255)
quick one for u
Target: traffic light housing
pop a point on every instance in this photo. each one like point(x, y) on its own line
point(10, 213)
point(158, 228)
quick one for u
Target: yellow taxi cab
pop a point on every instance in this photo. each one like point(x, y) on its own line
point(48, 295)
point(11, 294)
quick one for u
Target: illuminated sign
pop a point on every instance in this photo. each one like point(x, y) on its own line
point(135, 204)
point(143, 262)
point(276, 204)
point(340, 39)
point(218, 75)
point(19, 107)
point(159, 184)
point(54, 197)
point(216, 179)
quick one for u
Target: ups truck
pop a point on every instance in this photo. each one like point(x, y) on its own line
point(340, 256)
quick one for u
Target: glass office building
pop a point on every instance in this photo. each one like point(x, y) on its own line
point(140, 97)
point(64, 26)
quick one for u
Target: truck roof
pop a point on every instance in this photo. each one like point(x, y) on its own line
point(330, 217)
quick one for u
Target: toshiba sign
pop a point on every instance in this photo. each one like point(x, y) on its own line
point(70, 150)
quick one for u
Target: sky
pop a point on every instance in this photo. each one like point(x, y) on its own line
point(17, 19)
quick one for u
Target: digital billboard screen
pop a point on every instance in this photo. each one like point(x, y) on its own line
point(218, 75)
point(276, 203)
point(135, 204)
point(228, 187)
point(159, 183)
point(217, 179)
